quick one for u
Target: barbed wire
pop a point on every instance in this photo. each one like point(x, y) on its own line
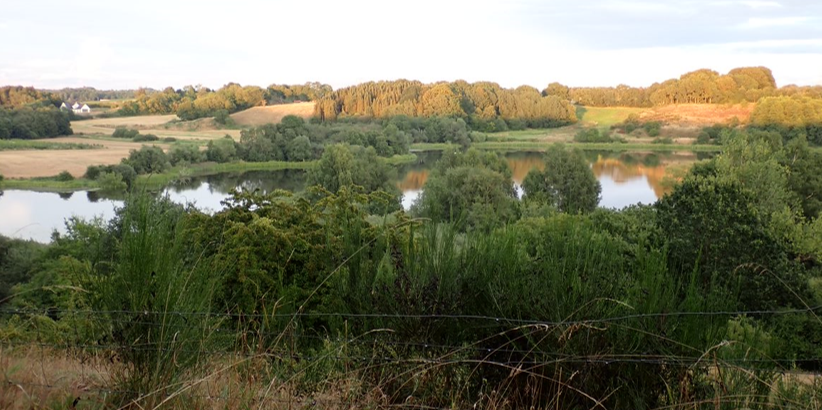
point(136, 314)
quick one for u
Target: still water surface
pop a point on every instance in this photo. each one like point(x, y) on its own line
point(626, 178)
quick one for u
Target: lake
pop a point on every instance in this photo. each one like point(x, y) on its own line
point(627, 178)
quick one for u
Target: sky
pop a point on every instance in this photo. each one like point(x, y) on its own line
point(110, 44)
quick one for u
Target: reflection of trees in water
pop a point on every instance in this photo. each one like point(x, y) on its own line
point(267, 181)
point(621, 167)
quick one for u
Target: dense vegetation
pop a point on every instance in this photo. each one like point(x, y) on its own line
point(88, 94)
point(697, 87)
point(481, 104)
point(26, 113)
point(192, 102)
point(588, 304)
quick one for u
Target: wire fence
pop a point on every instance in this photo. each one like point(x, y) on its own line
point(377, 347)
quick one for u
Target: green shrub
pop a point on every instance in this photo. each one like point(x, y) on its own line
point(148, 160)
point(169, 139)
point(145, 137)
point(665, 140)
point(222, 150)
point(111, 181)
point(223, 118)
point(593, 135)
point(122, 132)
point(186, 154)
point(703, 138)
point(653, 128)
point(64, 176)
point(93, 171)
point(1, 178)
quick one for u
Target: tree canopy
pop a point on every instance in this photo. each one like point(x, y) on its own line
point(567, 182)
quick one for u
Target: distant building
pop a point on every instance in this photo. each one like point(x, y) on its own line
point(77, 108)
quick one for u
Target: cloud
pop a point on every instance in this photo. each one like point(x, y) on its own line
point(763, 22)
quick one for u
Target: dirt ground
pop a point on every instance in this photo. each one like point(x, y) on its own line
point(46, 163)
point(272, 114)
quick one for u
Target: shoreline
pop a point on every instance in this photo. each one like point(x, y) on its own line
point(156, 181)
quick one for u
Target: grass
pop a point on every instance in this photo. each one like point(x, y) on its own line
point(536, 146)
point(605, 116)
point(13, 145)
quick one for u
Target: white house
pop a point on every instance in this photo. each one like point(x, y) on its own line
point(77, 108)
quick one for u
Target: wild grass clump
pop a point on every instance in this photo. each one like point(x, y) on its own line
point(158, 301)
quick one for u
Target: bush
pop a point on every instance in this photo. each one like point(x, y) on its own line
point(93, 171)
point(1, 178)
point(148, 160)
point(222, 117)
point(653, 128)
point(169, 139)
point(122, 132)
point(64, 176)
point(144, 138)
point(111, 181)
point(593, 135)
point(185, 154)
point(222, 150)
point(703, 138)
point(666, 140)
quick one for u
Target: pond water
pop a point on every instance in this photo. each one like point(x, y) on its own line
point(627, 178)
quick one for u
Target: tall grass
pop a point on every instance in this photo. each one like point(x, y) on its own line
point(158, 299)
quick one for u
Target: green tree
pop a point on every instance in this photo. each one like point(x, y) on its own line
point(472, 188)
point(148, 160)
point(344, 166)
point(712, 228)
point(185, 154)
point(567, 182)
point(221, 150)
point(299, 149)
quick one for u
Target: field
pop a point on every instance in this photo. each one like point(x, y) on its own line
point(44, 163)
point(159, 125)
point(272, 114)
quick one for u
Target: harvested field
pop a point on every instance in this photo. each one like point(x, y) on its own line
point(40, 163)
point(202, 129)
point(272, 114)
point(698, 114)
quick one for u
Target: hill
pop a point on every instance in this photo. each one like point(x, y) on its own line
point(272, 114)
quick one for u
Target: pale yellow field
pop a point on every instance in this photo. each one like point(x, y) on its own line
point(155, 124)
point(272, 114)
point(46, 163)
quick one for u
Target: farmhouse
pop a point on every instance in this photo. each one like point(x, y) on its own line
point(77, 108)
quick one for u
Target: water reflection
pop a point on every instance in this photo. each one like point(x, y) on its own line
point(626, 178)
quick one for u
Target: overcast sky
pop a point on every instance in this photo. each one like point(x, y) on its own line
point(157, 43)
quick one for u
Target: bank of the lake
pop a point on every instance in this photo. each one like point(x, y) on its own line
point(155, 181)
point(626, 177)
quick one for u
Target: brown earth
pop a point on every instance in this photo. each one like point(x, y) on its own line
point(272, 114)
point(46, 163)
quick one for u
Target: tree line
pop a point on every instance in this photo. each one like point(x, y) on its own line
point(480, 104)
point(192, 102)
point(697, 87)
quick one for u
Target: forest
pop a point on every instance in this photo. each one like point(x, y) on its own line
point(471, 298)
point(745, 84)
point(192, 102)
point(26, 113)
